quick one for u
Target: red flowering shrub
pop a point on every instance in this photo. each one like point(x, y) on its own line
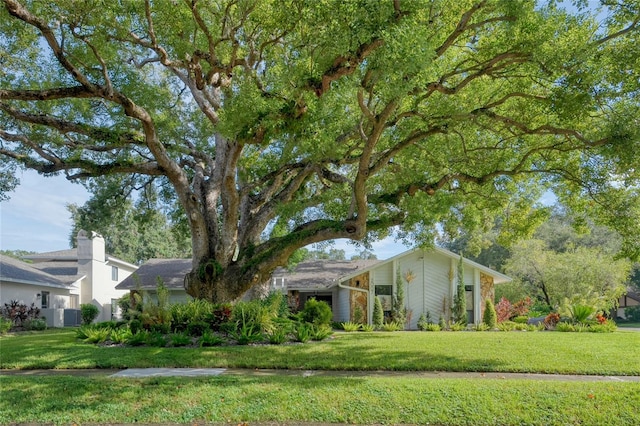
point(503, 310)
point(551, 320)
point(521, 307)
point(601, 318)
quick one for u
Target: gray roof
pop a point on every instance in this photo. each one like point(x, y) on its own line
point(68, 254)
point(14, 270)
point(320, 274)
point(310, 275)
point(171, 271)
point(66, 271)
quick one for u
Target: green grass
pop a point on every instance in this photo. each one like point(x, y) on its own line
point(66, 398)
point(533, 352)
point(234, 399)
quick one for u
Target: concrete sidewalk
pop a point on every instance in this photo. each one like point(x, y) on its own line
point(203, 372)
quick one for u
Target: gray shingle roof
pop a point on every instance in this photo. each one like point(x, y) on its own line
point(310, 275)
point(68, 254)
point(320, 274)
point(172, 272)
point(15, 270)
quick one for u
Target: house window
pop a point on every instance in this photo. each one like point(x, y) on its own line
point(469, 296)
point(385, 294)
point(45, 300)
point(278, 282)
point(114, 273)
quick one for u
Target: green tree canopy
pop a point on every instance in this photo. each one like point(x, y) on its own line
point(132, 232)
point(582, 273)
point(337, 119)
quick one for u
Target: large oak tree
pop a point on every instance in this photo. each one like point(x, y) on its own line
point(334, 119)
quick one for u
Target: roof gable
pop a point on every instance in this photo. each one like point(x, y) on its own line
point(497, 276)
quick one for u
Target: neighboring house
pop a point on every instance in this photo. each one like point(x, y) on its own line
point(429, 279)
point(87, 274)
point(349, 287)
point(170, 271)
point(22, 282)
point(630, 299)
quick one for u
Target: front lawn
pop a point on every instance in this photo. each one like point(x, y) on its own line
point(533, 352)
point(365, 400)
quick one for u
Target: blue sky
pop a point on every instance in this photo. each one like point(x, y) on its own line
point(36, 219)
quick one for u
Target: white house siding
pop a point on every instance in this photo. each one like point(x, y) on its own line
point(415, 292)
point(437, 286)
point(28, 294)
point(98, 286)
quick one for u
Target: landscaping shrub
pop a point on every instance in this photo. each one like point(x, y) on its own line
point(457, 326)
point(156, 339)
point(18, 312)
point(316, 312)
point(378, 314)
point(135, 326)
point(210, 339)
point(91, 334)
point(503, 310)
point(480, 327)
point(130, 305)
point(179, 339)
point(198, 310)
point(303, 332)
point(350, 326)
point(197, 328)
point(442, 323)
point(158, 312)
point(430, 327)
point(255, 313)
point(278, 336)
point(605, 327)
point(38, 324)
point(632, 313)
point(138, 339)
point(393, 326)
point(506, 326)
point(320, 332)
point(551, 320)
point(366, 327)
point(565, 327)
point(489, 316)
point(120, 335)
point(522, 319)
point(220, 315)
point(5, 325)
point(162, 328)
point(88, 312)
point(251, 318)
point(521, 307)
point(580, 313)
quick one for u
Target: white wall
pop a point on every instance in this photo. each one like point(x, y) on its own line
point(27, 294)
point(98, 287)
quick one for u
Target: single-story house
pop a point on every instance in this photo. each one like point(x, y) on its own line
point(349, 287)
point(86, 274)
point(628, 300)
point(429, 278)
point(170, 272)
